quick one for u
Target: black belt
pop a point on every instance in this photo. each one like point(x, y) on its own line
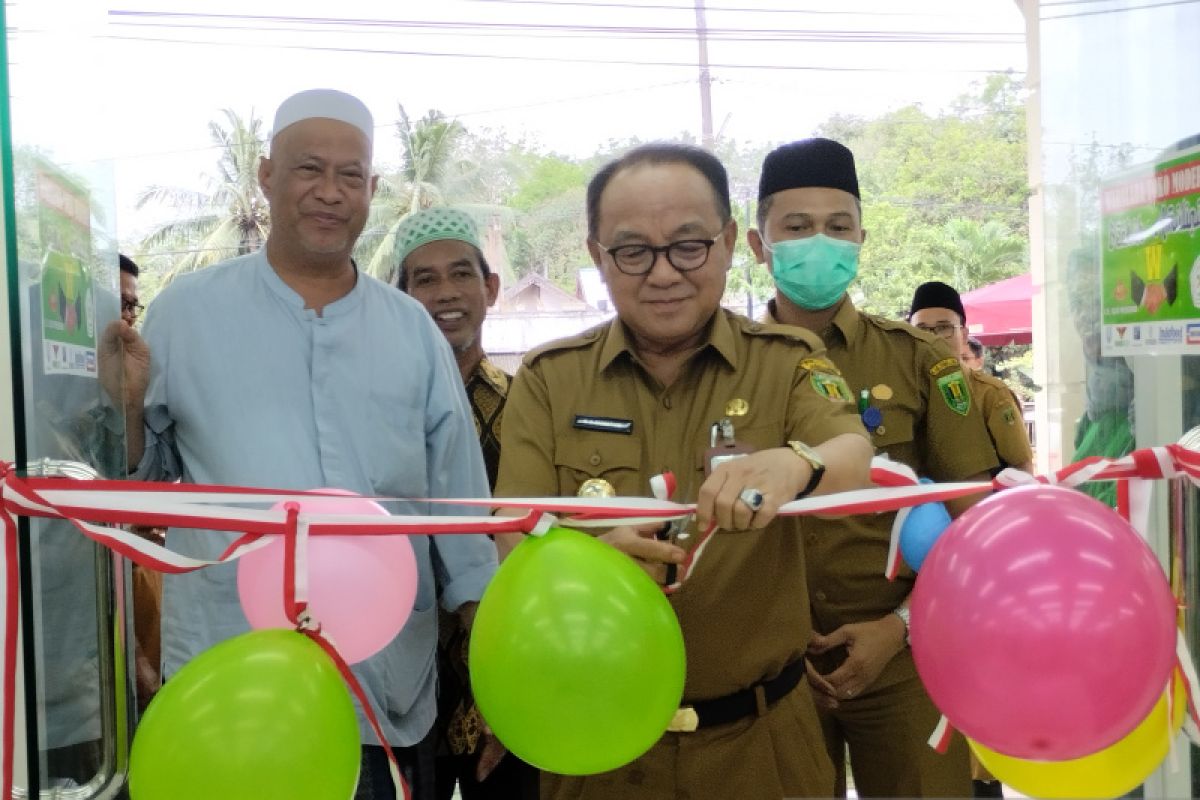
point(740, 704)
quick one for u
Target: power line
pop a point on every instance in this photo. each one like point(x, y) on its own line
point(839, 37)
point(1074, 2)
point(381, 127)
point(735, 9)
point(1119, 10)
point(548, 59)
point(164, 19)
point(572, 99)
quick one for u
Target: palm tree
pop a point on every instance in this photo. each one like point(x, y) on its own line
point(977, 254)
point(431, 173)
point(230, 219)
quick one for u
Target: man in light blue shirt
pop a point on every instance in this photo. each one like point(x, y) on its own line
point(289, 368)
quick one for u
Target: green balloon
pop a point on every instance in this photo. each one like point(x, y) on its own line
point(264, 714)
point(576, 656)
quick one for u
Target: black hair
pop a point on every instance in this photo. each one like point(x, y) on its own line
point(976, 347)
point(127, 265)
point(658, 153)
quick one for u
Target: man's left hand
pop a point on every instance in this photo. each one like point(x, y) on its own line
point(869, 648)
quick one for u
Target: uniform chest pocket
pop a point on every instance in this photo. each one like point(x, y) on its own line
point(613, 457)
point(756, 437)
point(895, 432)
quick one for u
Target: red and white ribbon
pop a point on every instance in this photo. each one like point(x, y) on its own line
point(939, 740)
point(105, 504)
point(160, 505)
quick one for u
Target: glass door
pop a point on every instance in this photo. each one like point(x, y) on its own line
point(63, 286)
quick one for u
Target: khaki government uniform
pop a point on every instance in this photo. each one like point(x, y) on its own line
point(928, 423)
point(744, 610)
point(1002, 412)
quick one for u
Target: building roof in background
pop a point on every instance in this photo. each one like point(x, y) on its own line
point(535, 293)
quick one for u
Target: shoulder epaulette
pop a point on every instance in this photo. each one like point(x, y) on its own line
point(899, 326)
point(566, 343)
point(776, 330)
point(990, 380)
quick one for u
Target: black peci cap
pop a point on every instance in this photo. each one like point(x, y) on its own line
point(936, 294)
point(808, 162)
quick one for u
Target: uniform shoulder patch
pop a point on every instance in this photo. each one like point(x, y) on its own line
point(567, 343)
point(826, 379)
point(943, 365)
point(1009, 415)
point(954, 391)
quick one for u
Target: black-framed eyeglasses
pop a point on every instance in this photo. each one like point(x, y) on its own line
point(638, 259)
point(132, 307)
point(942, 329)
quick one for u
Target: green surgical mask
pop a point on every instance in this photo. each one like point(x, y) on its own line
point(814, 272)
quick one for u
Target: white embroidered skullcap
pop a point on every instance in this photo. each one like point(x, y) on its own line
point(327, 103)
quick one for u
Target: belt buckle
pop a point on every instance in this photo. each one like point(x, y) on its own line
point(686, 720)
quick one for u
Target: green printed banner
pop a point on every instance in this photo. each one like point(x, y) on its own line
point(1150, 252)
point(68, 300)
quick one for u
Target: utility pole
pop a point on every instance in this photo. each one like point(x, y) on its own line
point(706, 121)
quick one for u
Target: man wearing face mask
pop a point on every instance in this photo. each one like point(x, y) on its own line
point(913, 399)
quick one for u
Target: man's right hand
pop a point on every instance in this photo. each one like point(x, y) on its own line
point(649, 553)
point(124, 365)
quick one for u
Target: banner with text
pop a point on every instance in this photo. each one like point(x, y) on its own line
point(1150, 256)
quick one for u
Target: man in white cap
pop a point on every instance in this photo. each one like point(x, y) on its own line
point(282, 368)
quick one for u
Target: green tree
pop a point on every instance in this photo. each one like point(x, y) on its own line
point(433, 171)
point(429, 150)
point(975, 254)
point(228, 219)
point(944, 196)
point(549, 229)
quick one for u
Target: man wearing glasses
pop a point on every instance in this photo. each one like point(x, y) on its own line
point(912, 397)
point(131, 307)
point(937, 308)
point(639, 396)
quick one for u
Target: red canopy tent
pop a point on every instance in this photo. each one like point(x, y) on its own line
point(1001, 313)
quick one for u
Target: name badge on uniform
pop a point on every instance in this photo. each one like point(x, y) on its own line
point(606, 424)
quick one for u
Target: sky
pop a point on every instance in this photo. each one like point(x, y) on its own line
point(127, 89)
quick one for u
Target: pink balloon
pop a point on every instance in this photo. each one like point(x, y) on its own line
point(1042, 625)
point(360, 588)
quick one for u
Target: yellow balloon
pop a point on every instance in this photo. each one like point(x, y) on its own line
point(1111, 772)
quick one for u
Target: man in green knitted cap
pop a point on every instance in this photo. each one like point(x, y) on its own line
point(441, 264)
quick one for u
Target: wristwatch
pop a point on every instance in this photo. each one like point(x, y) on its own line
point(905, 615)
point(815, 461)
